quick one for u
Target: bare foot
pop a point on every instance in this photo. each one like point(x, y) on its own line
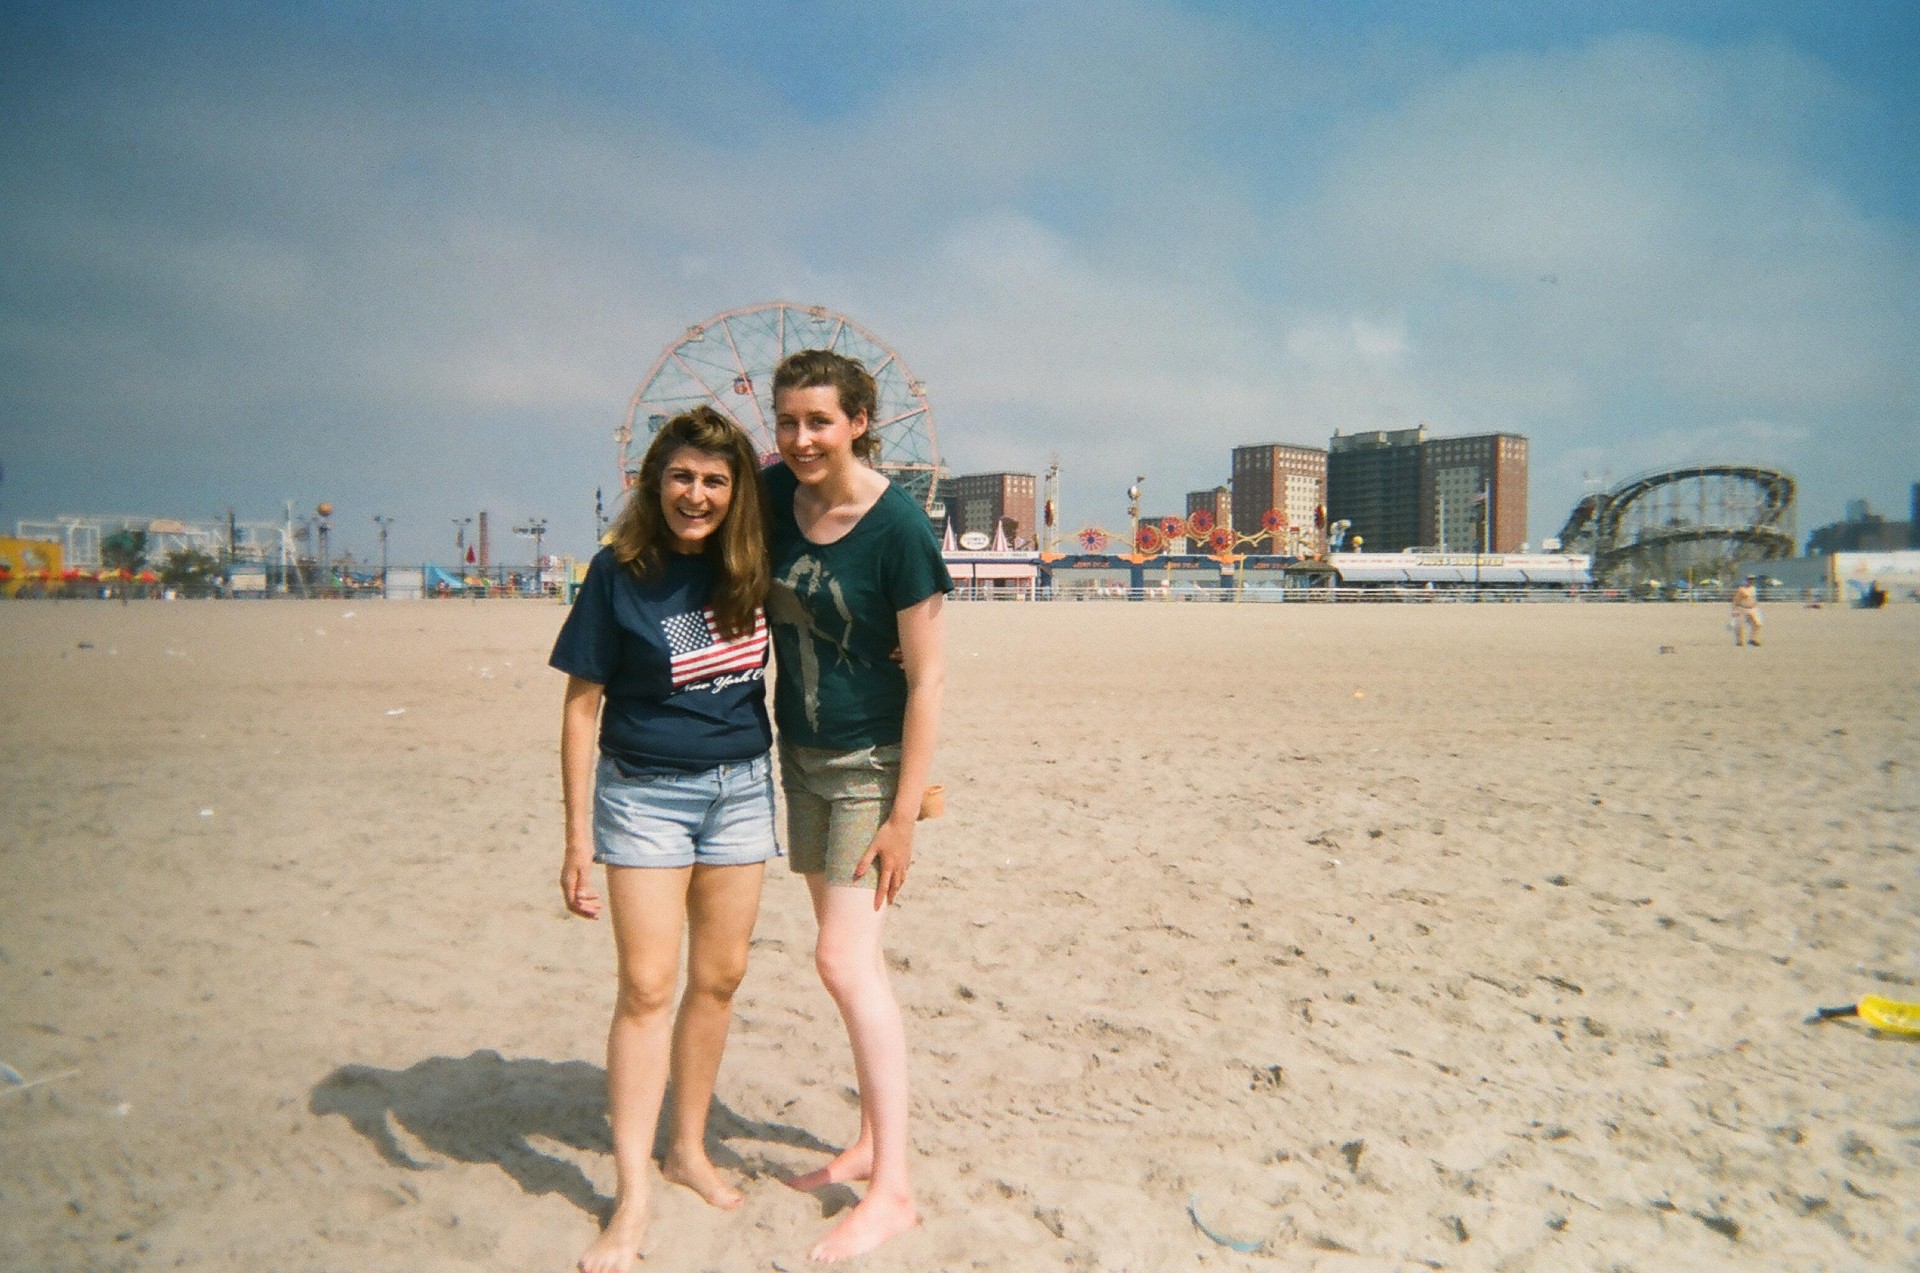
point(619, 1243)
point(855, 1162)
point(700, 1175)
point(876, 1218)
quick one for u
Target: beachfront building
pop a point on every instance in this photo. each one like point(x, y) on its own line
point(1289, 480)
point(1374, 485)
point(1459, 477)
point(984, 501)
point(1400, 489)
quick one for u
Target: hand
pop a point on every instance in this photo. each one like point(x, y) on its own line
point(576, 885)
point(890, 853)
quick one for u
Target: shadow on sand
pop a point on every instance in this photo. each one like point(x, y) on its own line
point(483, 1108)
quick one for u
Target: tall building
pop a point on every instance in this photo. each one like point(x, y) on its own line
point(1290, 480)
point(1374, 483)
point(981, 501)
point(1457, 475)
point(1218, 501)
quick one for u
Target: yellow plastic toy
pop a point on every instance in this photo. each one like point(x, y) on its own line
point(1882, 1014)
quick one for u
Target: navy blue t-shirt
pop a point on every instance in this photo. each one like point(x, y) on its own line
point(836, 617)
point(678, 694)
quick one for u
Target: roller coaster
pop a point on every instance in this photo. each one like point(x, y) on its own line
point(1698, 520)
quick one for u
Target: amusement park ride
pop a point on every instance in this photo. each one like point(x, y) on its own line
point(1206, 535)
point(1666, 525)
point(728, 361)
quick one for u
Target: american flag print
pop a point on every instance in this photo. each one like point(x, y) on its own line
point(700, 653)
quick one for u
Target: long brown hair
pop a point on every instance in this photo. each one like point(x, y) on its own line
point(818, 368)
point(640, 539)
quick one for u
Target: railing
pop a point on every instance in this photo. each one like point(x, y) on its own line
point(1452, 594)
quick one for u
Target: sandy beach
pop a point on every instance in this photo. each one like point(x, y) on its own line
point(1360, 937)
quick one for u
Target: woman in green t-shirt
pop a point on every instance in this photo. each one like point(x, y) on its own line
point(856, 575)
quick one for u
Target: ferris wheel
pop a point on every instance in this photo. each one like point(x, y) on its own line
point(727, 362)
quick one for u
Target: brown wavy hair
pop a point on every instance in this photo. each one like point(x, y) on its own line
point(814, 368)
point(641, 541)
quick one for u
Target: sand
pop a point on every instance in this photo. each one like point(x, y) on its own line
point(1378, 937)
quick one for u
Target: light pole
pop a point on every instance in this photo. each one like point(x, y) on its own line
point(460, 525)
point(383, 521)
point(1486, 525)
point(534, 528)
point(1050, 507)
point(1135, 574)
point(323, 528)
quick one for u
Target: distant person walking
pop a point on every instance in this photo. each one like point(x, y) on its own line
point(1746, 613)
point(677, 798)
point(856, 575)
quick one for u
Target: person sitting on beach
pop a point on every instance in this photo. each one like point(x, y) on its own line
point(1746, 613)
point(856, 573)
point(677, 799)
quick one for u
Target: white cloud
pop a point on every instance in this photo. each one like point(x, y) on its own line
point(1136, 235)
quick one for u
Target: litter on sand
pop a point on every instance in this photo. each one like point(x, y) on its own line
point(1243, 1245)
point(15, 1083)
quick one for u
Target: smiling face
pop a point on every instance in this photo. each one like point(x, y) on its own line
point(696, 490)
point(813, 432)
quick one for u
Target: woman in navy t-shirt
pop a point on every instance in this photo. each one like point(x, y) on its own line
point(856, 575)
point(666, 650)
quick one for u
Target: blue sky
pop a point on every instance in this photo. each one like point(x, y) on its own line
point(414, 259)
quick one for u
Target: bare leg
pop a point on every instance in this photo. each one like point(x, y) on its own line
point(855, 1162)
point(852, 963)
point(722, 904)
point(649, 907)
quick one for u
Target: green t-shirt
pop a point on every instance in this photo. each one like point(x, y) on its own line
point(835, 612)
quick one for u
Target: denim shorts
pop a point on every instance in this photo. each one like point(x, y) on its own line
point(711, 817)
point(836, 801)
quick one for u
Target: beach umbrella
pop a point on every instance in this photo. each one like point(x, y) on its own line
point(147, 576)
